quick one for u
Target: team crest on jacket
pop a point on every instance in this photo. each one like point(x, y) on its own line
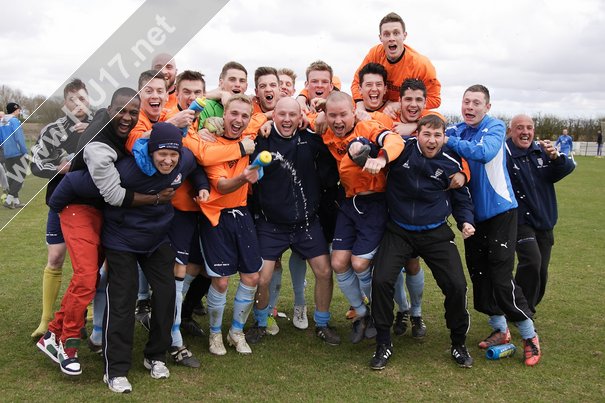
point(437, 173)
point(177, 180)
point(232, 163)
point(540, 162)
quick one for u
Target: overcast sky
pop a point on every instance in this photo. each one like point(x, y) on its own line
point(533, 55)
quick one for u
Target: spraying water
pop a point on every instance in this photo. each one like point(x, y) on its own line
point(287, 165)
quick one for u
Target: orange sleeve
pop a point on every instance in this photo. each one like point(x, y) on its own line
point(304, 93)
point(466, 170)
point(392, 143)
point(256, 122)
point(433, 112)
point(144, 125)
point(256, 106)
point(383, 118)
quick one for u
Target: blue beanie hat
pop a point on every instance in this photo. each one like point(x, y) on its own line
point(165, 136)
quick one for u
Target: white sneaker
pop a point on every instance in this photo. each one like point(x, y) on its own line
point(238, 340)
point(272, 327)
point(216, 346)
point(300, 320)
point(49, 345)
point(118, 384)
point(157, 369)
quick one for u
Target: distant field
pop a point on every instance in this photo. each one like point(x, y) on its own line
point(295, 366)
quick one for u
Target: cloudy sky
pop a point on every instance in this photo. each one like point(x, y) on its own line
point(534, 55)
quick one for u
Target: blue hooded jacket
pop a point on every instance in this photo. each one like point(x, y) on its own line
point(11, 137)
point(483, 148)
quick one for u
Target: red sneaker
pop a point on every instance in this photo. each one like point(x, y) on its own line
point(532, 351)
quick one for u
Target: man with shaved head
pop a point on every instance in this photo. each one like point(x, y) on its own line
point(362, 215)
point(166, 65)
point(534, 167)
point(288, 198)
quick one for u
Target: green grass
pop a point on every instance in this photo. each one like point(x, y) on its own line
point(295, 366)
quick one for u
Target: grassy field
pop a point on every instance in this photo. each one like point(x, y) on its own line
point(295, 366)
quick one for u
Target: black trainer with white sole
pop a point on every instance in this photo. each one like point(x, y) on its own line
point(381, 356)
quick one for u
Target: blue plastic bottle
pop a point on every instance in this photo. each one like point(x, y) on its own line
point(501, 351)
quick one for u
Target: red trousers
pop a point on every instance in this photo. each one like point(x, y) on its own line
point(81, 227)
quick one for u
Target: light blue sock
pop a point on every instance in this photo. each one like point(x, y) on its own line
point(400, 296)
point(274, 288)
point(321, 318)
point(177, 338)
point(98, 308)
point(415, 286)
point(261, 315)
point(216, 306)
point(365, 282)
point(298, 273)
point(143, 285)
point(349, 285)
point(526, 328)
point(498, 323)
point(187, 282)
point(244, 299)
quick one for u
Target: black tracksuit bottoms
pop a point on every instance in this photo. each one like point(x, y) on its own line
point(490, 259)
point(437, 248)
point(122, 288)
point(533, 253)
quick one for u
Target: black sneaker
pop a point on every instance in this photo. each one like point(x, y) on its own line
point(359, 328)
point(381, 356)
point(190, 326)
point(256, 333)
point(461, 356)
point(371, 329)
point(328, 334)
point(400, 326)
point(182, 356)
point(418, 327)
point(95, 348)
point(142, 309)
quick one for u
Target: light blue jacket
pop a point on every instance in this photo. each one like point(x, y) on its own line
point(565, 144)
point(11, 137)
point(483, 148)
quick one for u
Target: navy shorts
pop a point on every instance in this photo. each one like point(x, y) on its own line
point(360, 224)
point(54, 235)
point(185, 237)
point(231, 246)
point(306, 240)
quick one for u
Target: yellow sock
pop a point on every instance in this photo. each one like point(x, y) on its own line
point(51, 284)
point(89, 312)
